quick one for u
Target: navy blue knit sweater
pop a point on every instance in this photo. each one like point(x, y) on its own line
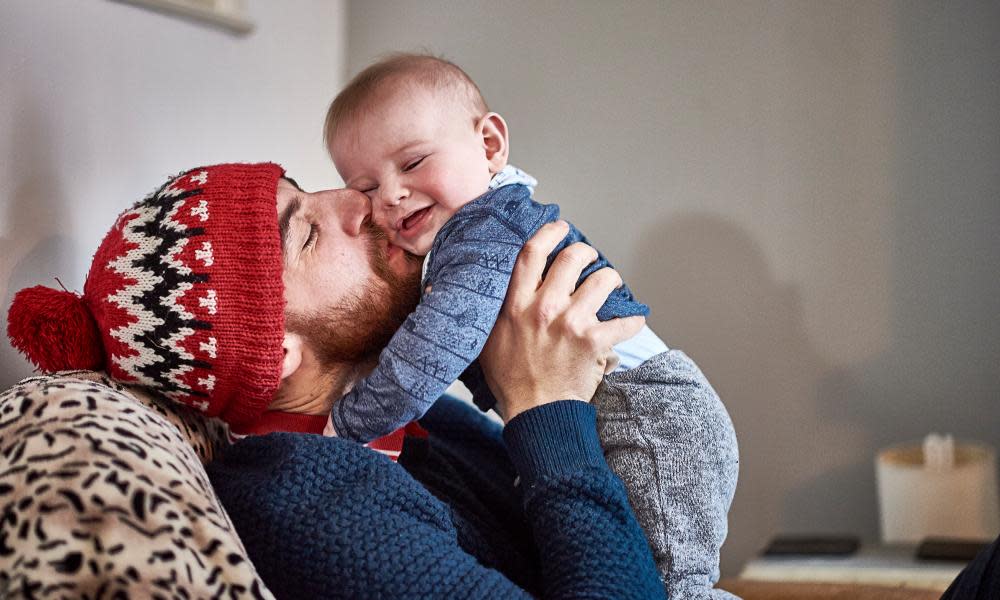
point(325, 517)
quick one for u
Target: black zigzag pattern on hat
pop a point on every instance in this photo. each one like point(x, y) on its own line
point(157, 300)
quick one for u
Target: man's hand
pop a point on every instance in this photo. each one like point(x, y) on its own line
point(547, 344)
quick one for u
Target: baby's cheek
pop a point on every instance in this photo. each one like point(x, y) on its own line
point(380, 216)
point(398, 240)
point(422, 245)
point(419, 246)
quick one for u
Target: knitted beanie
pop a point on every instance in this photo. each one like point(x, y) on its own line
point(184, 296)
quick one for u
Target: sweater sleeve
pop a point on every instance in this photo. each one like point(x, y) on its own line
point(590, 544)
point(441, 338)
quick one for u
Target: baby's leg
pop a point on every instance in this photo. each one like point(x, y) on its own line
point(667, 435)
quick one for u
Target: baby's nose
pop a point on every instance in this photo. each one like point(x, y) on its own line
point(391, 192)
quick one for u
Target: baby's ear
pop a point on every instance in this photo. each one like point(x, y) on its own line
point(493, 130)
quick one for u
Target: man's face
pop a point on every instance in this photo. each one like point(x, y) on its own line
point(347, 289)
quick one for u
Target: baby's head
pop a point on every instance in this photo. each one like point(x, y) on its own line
point(414, 133)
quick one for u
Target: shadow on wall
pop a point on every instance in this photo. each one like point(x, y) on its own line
point(940, 368)
point(714, 296)
point(35, 245)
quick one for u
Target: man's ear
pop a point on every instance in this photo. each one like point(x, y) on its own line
point(493, 130)
point(292, 347)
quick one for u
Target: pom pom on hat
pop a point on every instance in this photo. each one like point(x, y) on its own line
point(54, 329)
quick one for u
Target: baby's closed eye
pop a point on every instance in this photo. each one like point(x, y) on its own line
point(413, 164)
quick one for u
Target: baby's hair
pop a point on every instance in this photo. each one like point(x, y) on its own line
point(427, 70)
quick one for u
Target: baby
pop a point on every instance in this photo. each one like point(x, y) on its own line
point(414, 133)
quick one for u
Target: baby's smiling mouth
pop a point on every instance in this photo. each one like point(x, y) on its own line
point(409, 224)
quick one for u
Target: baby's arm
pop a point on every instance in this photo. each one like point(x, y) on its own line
point(439, 339)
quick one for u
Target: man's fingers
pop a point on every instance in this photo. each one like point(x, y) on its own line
point(617, 331)
point(595, 289)
point(530, 264)
point(566, 268)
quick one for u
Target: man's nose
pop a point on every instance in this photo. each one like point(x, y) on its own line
point(353, 209)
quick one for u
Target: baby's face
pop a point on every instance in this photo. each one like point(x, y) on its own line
point(417, 155)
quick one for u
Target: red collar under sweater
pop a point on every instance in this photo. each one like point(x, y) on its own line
point(390, 445)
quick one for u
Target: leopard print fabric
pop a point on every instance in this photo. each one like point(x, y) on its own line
point(103, 495)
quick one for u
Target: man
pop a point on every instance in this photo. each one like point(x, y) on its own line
point(188, 300)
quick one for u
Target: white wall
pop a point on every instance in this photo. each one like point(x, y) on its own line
point(807, 193)
point(100, 102)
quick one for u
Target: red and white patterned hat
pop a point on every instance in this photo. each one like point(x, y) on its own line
point(184, 296)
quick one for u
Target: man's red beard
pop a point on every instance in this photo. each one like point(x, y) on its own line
point(360, 325)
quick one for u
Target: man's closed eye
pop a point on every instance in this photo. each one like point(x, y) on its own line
point(311, 239)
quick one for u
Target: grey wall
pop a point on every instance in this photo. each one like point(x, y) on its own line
point(807, 193)
point(101, 101)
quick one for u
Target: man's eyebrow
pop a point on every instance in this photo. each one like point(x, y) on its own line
point(286, 217)
point(293, 182)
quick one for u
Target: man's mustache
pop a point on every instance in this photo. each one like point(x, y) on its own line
point(375, 231)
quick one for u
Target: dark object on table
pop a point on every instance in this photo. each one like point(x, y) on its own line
point(980, 579)
point(959, 550)
point(812, 545)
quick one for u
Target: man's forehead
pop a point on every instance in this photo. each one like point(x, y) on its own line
point(287, 190)
point(294, 183)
